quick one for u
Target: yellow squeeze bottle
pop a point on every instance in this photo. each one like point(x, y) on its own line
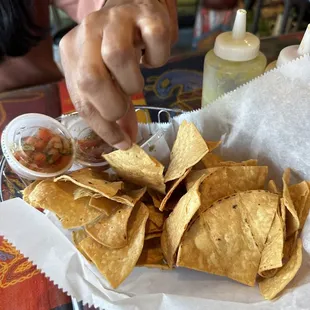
point(235, 60)
point(292, 52)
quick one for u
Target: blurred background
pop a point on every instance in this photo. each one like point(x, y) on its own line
point(200, 21)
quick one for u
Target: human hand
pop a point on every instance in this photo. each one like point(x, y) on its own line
point(101, 62)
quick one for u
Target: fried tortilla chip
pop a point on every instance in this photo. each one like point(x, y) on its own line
point(129, 197)
point(188, 149)
point(289, 246)
point(270, 288)
point(301, 200)
point(292, 221)
point(283, 212)
point(152, 255)
point(272, 187)
point(116, 264)
point(57, 199)
point(225, 181)
point(178, 220)
point(211, 160)
point(29, 189)
point(104, 205)
point(194, 175)
point(151, 228)
point(152, 236)
point(273, 250)
point(111, 231)
point(226, 239)
point(94, 181)
point(77, 237)
point(81, 192)
point(174, 184)
point(156, 216)
point(136, 166)
point(156, 198)
point(212, 145)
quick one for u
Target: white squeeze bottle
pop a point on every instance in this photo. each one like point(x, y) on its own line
point(235, 60)
point(292, 52)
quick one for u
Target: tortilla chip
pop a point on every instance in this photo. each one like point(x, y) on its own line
point(194, 175)
point(111, 231)
point(272, 187)
point(156, 198)
point(155, 216)
point(301, 198)
point(81, 192)
point(94, 181)
point(270, 288)
point(57, 199)
point(152, 236)
point(77, 237)
point(226, 239)
point(225, 181)
point(212, 145)
point(178, 220)
point(129, 197)
point(174, 184)
point(136, 166)
point(211, 160)
point(152, 255)
point(188, 149)
point(283, 211)
point(273, 250)
point(151, 228)
point(289, 246)
point(104, 205)
point(292, 221)
point(29, 189)
point(116, 264)
point(248, 163)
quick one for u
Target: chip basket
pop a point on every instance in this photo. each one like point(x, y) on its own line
point(12, 184)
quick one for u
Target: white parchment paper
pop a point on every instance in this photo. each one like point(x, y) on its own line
point(268, 119)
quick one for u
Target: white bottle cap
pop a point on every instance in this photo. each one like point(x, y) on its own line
point(292, 52)
point(237, 45)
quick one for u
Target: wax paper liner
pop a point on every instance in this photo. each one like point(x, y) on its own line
point(268, 119)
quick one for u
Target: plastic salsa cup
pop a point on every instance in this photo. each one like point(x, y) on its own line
point(37, 146)
point(88, 145)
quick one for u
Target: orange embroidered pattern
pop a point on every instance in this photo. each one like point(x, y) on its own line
point(14, 267)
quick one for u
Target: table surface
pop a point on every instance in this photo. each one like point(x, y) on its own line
point(177, 84)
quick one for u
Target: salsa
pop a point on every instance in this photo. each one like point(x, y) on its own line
point(45, 151)
point(91, 147)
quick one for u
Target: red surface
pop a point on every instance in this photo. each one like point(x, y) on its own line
point(22, 286)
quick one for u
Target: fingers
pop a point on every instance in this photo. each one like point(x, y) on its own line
point(120, 56)
point(129, 123)
point(108, 131)
point(155, 33)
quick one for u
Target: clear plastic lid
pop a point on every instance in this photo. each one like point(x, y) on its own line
point(37, 146)
point(89, 146)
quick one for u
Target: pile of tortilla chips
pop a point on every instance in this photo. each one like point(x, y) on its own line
point(203, 213)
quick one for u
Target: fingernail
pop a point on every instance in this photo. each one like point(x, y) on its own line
point(124, 145)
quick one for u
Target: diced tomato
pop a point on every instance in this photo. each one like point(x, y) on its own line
point(44, 134)
point(39, 159)
point(40, 145)
point(86, 144)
